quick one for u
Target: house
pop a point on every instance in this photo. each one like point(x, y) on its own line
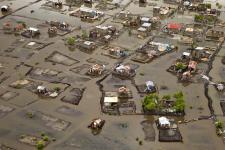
point(117, 51)
point(123, 91)
point(186, 76)
point(164, 122)
point(164, 11)
point(59, 25)
point(161, 47)
point(132, 21)
point(186, 55)
point(142, 1)
point(192, 66)
point(102, 31)
point(96, 69)
point(145, 20)
point(214, 34)
point(172, 1)
point(52, 30)
point(96, 124)
point(142, 31)
point(110, 100)
point(88, 2)
point(189, 31)
point(87, 45)
point(174, 27)
point(87, 13)
point(124, 70)
point(31, 32)
point(56, 3)
point(147, 26)
point(5, 8)
point(19, 27)
point(185, 40)
point(200, 53)
point(124, 15)
point(7, 26)
point(150, 87)
point(220, 87)
point(161, 11)
point(42, 90)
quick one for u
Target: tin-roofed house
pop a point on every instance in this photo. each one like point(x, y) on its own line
point(110, 103)
point(150, 87)
point(145, 29)
point(87, 46)
point(5, 8)
point(163, 123)
point(90, 14)
point(31, 32)
point(124, 71)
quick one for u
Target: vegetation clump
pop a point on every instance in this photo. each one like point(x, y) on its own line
point(205, 18)
point(150, 101)
point(179, 103)
point(180, 66)
point(154, 102)
point(219, 127)
point(40, 145)
point(71, 41)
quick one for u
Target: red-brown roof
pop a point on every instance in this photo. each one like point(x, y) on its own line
point(174, 26)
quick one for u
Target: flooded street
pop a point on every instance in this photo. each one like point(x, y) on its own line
point(62, 65)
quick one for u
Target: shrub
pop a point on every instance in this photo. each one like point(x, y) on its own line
point(42, 134)
point(166, 97)
point(199, 18)
point(84, 34)
point(30, 114)
point(208, 6)
point(45, 138)
point(71, 41)
point(129, 32)
point(178, 95)
point(57, 89)
point(180, 65)
point(151, 101)
point(179, 103)
point(40, 145)
point(219, 124)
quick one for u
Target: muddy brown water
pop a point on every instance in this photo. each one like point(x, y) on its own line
point(119, 132)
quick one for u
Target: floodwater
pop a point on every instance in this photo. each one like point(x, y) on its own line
point(119, 132)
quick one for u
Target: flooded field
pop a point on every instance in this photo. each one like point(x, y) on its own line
point(152, 71)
